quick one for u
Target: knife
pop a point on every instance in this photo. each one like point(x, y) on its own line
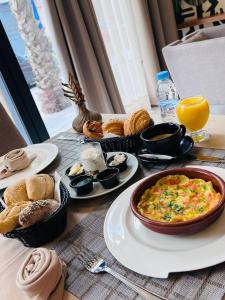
point(152, 157)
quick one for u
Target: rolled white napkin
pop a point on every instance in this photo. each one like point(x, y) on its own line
point(13, 161)
point(42, 275)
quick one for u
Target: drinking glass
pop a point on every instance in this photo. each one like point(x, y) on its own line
point(194, 113)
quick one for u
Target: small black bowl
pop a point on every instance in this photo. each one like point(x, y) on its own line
point(109, 178)
point(169, 145)
point(71, 177)
point(122, 166)
point(82, 184)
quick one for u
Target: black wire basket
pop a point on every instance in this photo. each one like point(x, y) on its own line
point(45, 230)
point(129, 143)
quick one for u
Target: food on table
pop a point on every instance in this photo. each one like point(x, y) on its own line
point(10, 215)
point(76, 169)
point(92, 158)
point(37, 211)
point(113, 126)
point(16, 193)
point(117, 159)
point(40, 186)
point(93, 129)
point(137, 121)
point(177, 198)
point(160, 137)
point(13, 161)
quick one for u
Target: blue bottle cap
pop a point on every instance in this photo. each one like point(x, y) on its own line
point(162, 75)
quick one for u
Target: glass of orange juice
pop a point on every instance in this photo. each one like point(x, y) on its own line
point(194, 113)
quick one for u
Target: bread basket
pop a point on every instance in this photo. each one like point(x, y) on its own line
point(45, 230)
point(129, 143)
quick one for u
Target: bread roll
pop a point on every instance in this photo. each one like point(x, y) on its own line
point(9, 217)
point(137, 121)
point(93, 129)
point(113, 126)
point(37, 211)
point(16, 193)
point(40, 186)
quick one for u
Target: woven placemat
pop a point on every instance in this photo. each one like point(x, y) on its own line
point(204, 284)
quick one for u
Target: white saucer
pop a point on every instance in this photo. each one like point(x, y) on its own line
point(156, 255)
point(45, 154)
point(98, 190)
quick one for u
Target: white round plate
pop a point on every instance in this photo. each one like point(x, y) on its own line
point(45, 154)
point(98, 190)
point(154, 254)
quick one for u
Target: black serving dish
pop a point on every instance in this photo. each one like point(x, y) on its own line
point(122, 166)
point(129, 143)
point(109, 178)
point(45, 230)
point(168, 145)
point(71, 177)
point(82, 184)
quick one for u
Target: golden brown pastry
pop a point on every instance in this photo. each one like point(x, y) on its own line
point(40, 186)
point(16, 193)
point(37, 211)
point(137, 121)
point(113, 126)
point(9, 217)
point(93, 129)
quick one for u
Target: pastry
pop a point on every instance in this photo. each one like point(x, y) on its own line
point(93, 129)
point(40, 186)
point(137, 121)
point(37, 211)
point(113, 126)
point(16, 193)
point(9, 217)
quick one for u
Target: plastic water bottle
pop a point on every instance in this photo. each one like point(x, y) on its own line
point(167, 97)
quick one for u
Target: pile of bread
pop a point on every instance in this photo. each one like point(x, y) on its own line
point(135, 123)
point(27, 202)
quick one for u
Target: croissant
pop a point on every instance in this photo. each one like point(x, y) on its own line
point(137, 121)
point(93, 129)
point(113, 126)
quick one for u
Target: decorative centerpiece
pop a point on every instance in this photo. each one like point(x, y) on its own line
point(73, 91)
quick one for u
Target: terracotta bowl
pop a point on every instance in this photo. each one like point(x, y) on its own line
point(185, 227)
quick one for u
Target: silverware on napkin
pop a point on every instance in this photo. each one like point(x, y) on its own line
point(152, 157)
point(96, 264)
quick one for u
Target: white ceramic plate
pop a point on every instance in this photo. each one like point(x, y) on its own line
point(98, 190)
point(154, 254)
point(45, 154)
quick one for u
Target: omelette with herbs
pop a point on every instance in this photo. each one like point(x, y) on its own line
point(177, 198)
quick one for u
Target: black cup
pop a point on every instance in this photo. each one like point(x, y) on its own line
point(109, 178)
point(82, 184)
point(122, 166)
point(169, 145)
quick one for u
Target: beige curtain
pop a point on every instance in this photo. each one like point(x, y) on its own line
point(163, 23)
point(84, 49)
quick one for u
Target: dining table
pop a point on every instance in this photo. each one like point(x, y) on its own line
point(13, 253)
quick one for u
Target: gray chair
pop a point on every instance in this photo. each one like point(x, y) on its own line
point(197, 64)
point(10, 137)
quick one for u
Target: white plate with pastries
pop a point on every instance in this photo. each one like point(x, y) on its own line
point(98, 190)
point(44, 154)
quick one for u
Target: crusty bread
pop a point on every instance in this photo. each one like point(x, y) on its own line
point(16, 193)
point(40, 186)
point(113, 126)
point(9, 217)
point(37, 211)
point(137, 121)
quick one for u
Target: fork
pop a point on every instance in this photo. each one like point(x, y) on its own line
point(96, 264)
